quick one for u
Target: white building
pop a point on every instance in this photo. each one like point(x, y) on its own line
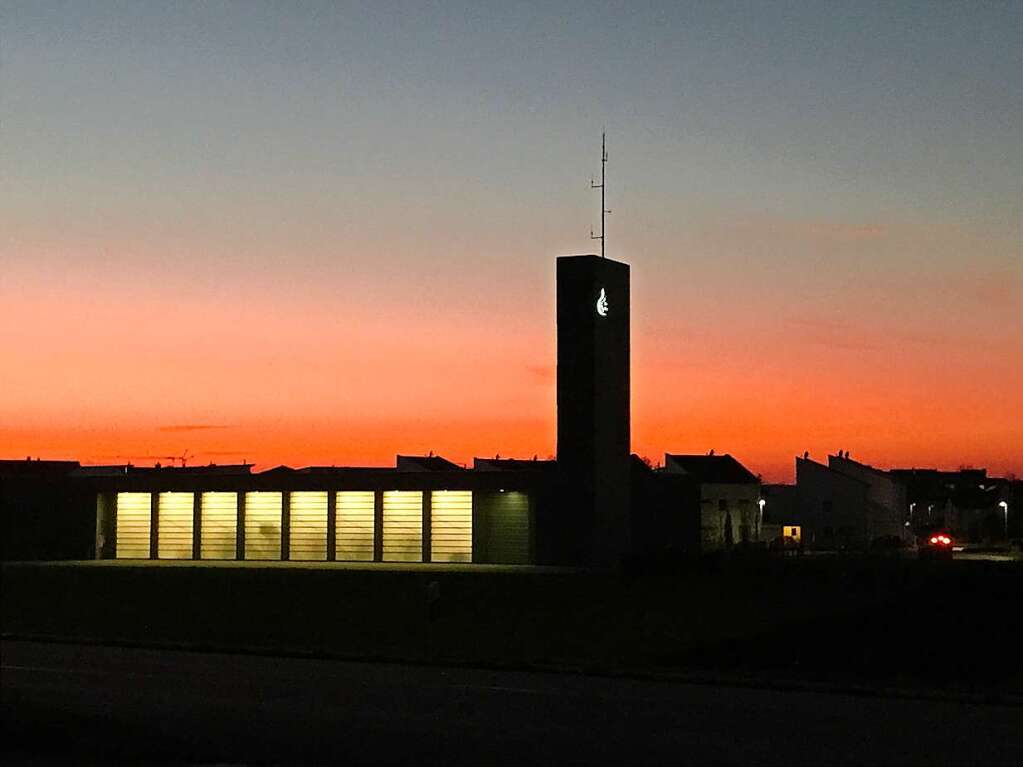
point(729, 498)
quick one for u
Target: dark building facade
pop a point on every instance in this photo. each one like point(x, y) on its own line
point(593, 399)
point(425, 509)
point(848, 504)
point(45, 512)
point(665, 515)
point(845, 504)
point(729, 494)
point(972, 506)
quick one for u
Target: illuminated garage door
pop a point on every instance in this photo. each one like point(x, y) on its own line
point(451, 526)
point(403, 526)
point(219, 526)
point(174, 526)
point(355, 525)
point(133, 512)
point(263, 525)
point(308, 526)
point(508, 533)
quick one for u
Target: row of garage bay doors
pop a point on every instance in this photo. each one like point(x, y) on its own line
point(502, 526)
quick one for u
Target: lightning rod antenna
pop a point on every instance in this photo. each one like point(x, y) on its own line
point(603, 209)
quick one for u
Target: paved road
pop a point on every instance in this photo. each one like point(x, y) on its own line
point(976, 556)
point(113, 704)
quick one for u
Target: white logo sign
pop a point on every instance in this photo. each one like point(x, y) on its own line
point(602, 304)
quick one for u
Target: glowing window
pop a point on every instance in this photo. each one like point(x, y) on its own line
point(355, 525)
point(403, 526)
point(451, 526)
point(219, 526)
point(174, 526)
point(263, 525)
point(308, 525)
point(133, 517)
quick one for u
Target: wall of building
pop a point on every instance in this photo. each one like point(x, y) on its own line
point(888, 508)
point(831, 506)
point(665, 514)
point(318, 525)
point(43, 513)
point(505, 528)
point(1014, 497)
point(780, 513)
point(729, 515)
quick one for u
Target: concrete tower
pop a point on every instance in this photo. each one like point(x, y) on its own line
point(593, 406)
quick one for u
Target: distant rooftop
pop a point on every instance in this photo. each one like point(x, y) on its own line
point(426, 463)
point(410, 464)
point(709, 469)
point(841, 461)
point(513, 464)
point(938, 474)
point(29, 466)
point(230, 469)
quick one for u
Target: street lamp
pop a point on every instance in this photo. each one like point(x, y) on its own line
point(1005, 511)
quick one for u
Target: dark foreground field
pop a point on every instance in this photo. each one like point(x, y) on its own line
point(884, 625)
point(84, 705)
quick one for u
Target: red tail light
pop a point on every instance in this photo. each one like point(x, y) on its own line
point(934, 539)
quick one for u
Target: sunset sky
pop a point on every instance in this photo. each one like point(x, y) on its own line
point(315, 233)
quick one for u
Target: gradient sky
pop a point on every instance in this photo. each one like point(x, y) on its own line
point(322, 233)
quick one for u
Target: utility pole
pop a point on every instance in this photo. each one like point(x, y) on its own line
point(603, 209)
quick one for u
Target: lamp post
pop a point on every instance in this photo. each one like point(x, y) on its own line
point(1005, 511)
point(760, 520)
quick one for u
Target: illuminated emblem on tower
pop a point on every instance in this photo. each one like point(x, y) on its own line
point(602, 303)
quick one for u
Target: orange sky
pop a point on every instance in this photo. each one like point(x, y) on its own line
point(107, 367)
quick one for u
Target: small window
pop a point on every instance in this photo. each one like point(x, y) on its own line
point(723, 505)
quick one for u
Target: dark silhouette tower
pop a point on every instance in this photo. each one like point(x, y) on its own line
point(593, 406)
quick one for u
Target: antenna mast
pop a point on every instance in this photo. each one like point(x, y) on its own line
point(600, 186)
